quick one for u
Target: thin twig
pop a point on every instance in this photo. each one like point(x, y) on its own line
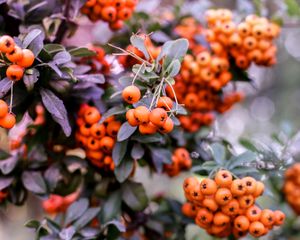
point(11, 96)
point(137, 73)
point(174, 93)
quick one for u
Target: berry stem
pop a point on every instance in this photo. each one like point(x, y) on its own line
point(174, 93)
point(11, 96)
point(137, 73)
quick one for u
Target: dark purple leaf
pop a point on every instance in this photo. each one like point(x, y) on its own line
point(34, 182)
point(7, 165)
point(125, 131)
point(30, 78)
point(5, 182)
point(5, 85)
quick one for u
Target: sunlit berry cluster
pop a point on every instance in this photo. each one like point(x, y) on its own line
point(97, 139)
point(7, 119)
point(291, 187)
point(115, 12)
point(18, 58)
point(148, 121)
point(98, 63)
point(249, 41)
point(56, 203)
point(198, 87)
point(224, 206)
point(181, 161)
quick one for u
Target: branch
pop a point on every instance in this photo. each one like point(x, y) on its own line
point(63, 28)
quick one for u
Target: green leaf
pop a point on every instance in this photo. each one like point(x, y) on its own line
point(34, 182)
point(120, 226)
point(148, 138)
point(32, 224)
point(244, 170)
point(137, 151)
point(174, 68)
point(177, 50)
point(112, 206)
point(139, 42)
point(31, 36)
point(248, 144)
point(5, 85)
point(119, 152)
point(134, 195)
point(124, 169)
point(81, 52)
point(244, 158)
point(125, 131)
point(76, 210)
point(61, 58)
point(160, 156)
point(218, 152)
point(117, 110)
point(8, 165)
point(86, 218)
point(206, 166)
point(293, 7)
point(54, 48)
point(30, 78)
point(67, 233)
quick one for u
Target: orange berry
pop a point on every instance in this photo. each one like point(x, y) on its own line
point(109, 14)
point(94, 155)
point(90, 3)
point(131, 118)
point(253, 213)
point(27, 59)
point(112, 128)
point(279, 217)
point(147, 128)
point(14, 72)
point(158, 116)
point(246, 201)
point(98, 130)
point(124, 14)
point(267, 217)
point(92, 115)
point(256, 229)
point(210, 204)
point(221, 219)
point(7, 44)
point(93, 144)
point(204, 216)
point(8, 121)
point(249, 43)
point(241, 223)
point(165, 103)
point(131, 94)
point(141, 113)
point(167, 127)
point(223, 178)
point(250, 184)
point(190, 183)
point(188, 210)
point(116, 25)
point(208, 186)
point(223, 196)
point(85, 130)
point(203, 59)
point(3, 108)
point(232, 208)
point(260, 188)
point(107, 144)
point(15, 55)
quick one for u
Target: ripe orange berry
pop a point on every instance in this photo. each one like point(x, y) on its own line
point(167, 127)
point(124, 14)
point(249, 43)
point(253, 213)
point(204, 216)
point(190, 183)
point(221, 219)
point(141, 113)
point(3, 108)
point(94, 155)
point(98, 130)
point(267, 217)
point(15, 55)
point(241, 223)
point(208, 186)
point(85, 129)
point(223, 196)
point(112, 128)
point(8, 121)
point(92, 115)
point(7, 44)
point(147, 128)
point(165, 103)
point(27, 59)
point(93, 144)
point(188, 210)
point(131, 94)
point(196, 196)
point(131, 118)
point(279, 217)
point(223, 178)
point(256, 229)
point(90, 3)
point(116, 25)
point(232, 208)
point(14, 72)
point(246, 201)
point(210, 204)
point(107, 144)
point(203, 58)
point(158, 116)
point(250, 184)
point(109, 14)
point(260, 188)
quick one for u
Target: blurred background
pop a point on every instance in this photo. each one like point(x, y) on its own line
point(272, 104)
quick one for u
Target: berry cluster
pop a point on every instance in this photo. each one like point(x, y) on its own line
point(7, 119)
point(115, 12)
point(198, 87)
point(291, 187)
point(98, 63)
point(181, 161)
point(249, 41)
point(19, 58)
point(226, 206)
point(97, 139)
point(149, 122)
point(56, 203)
